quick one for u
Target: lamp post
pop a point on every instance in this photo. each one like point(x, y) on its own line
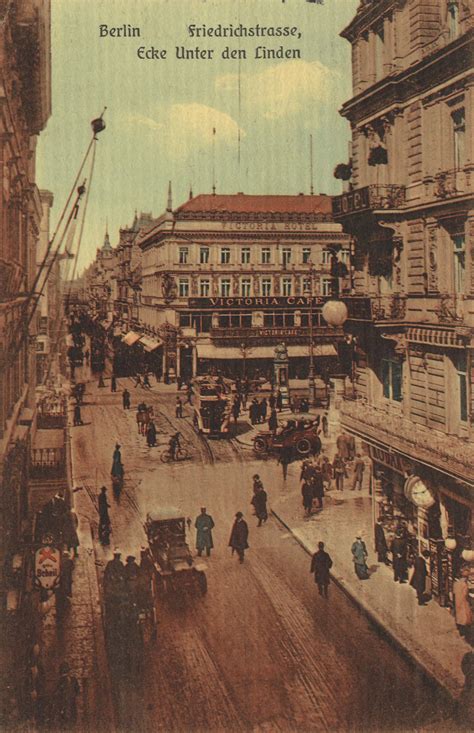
point(311, 377)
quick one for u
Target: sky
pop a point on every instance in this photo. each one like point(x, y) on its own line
point(161, 113)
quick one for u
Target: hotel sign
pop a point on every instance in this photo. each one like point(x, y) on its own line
point(276, 301)
point(358, 200)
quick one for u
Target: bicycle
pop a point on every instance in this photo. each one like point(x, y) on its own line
point(181, 454)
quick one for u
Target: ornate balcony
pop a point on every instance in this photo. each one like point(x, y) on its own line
point(455, 182)
point(445, 452)
point(368, 198)
point(389, 308)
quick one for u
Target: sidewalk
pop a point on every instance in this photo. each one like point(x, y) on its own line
point(78, 640)
point(426, 634)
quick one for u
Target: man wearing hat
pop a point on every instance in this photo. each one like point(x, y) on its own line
point(114, 580)
point(204, 525)
point(131, 573)
point(239, 536)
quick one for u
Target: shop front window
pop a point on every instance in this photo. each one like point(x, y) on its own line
point(392, 378)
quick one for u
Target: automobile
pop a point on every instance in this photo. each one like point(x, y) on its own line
point(300, 435)
point(175, 567)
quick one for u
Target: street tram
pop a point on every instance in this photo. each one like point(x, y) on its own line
point(212, 403)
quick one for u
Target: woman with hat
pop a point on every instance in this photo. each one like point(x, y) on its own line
point(359, 557)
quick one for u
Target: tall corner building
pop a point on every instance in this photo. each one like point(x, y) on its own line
point(408, 205)
point(225, 278)
point(25, 106)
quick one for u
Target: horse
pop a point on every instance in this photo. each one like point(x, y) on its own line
point(143, 418)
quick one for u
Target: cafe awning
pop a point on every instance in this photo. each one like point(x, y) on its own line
point(209, 351)
point(150, 344)
point(131, 338)
point(318, 350)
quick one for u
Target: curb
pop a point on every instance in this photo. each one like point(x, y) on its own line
point(450, 694)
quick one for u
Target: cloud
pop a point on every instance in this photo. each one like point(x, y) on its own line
point(282, 90)
point(183, 128)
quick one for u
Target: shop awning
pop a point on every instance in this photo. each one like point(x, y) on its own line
point(438, 337)
point(318, 350)
point(150, 344)
point(131, 338)
point(209, 351)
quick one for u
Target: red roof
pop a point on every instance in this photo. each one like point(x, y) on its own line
point(241, 203)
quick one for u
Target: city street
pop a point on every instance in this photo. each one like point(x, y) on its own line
point(262, 650)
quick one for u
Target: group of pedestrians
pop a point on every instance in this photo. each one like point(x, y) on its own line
point(238, 540)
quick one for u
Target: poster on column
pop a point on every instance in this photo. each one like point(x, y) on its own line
point(236, 266)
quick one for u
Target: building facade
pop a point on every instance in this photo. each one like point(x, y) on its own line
point(409, 209)
point(225, 278)
point(25, 106)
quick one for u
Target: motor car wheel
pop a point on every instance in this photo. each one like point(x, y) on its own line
point(303, 447)
point(260, 445)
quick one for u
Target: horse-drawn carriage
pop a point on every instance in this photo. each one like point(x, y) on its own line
point(144, 417)
point(175, 569)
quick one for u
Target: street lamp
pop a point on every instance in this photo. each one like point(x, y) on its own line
point(311, 377)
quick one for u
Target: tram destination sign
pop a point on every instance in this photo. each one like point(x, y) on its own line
point(272, 301)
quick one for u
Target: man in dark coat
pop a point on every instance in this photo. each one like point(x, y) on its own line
point(263, 407)
point(259, 501)
point(204, 525)
point(239, 536)
point(151, 434)
point(104, 519)
point(321, 564)
point(273, 421)
point(318, 487)
point(418, 580)
point(381, 543)
point(279, 401)
point(285, 457)
point(77, 416)
point(113, 383)
point(126, 399)
point(399, 558)
point(307, 493)
point(253, 411)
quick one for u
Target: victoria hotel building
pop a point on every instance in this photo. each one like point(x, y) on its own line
point(235, 275)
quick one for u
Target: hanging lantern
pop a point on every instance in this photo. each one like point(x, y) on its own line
point(468, 555)
point(335, 313)
point(450, 544)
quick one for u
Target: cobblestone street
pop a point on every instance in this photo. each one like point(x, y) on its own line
point(261, 650)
